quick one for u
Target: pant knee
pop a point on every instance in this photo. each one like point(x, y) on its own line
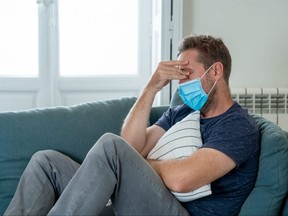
point(109, 137)
point(108, 144)
point(105, 140)
point(43, 157)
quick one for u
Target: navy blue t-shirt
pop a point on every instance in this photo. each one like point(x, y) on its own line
point(235, 134)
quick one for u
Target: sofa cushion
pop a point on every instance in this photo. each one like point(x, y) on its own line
point(180, 141)
point(70, 130)
point(272, 180)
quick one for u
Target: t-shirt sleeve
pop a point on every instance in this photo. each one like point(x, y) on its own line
point(165, 120)
point(236, 137)
point(172, 116)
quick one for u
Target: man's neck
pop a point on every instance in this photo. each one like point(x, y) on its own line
point(222, 101)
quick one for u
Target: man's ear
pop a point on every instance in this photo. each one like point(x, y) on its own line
point(218, 70)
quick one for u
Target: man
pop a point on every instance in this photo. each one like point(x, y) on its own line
point(53, 184)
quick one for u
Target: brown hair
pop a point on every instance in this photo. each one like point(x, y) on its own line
point(210, 50)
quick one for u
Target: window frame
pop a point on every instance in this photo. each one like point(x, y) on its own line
point(127, 82)
point(49, 89)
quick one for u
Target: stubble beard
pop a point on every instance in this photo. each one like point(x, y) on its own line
point(210, 102)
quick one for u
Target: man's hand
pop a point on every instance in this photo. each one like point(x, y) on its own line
point(165, 72)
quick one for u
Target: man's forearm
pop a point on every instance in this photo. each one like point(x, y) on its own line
point(135, 124)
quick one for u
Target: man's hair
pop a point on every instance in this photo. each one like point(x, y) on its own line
point(210, 50)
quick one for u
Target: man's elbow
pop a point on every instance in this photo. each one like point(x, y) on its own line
point(179, 186)
point(184, 186)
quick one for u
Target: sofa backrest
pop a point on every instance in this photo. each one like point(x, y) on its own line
point(70, 130)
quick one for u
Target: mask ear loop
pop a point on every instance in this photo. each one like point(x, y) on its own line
point(214, 82)
point(212, 87)
point(206, 71)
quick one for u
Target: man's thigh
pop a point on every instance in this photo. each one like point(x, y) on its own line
point(139, 191)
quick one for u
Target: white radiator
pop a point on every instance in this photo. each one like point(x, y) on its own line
point(271, 103)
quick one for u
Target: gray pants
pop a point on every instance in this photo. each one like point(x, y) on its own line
point(54, 184)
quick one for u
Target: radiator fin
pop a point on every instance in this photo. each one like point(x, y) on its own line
point(271, 103)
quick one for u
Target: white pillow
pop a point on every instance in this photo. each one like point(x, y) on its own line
point(180, 141)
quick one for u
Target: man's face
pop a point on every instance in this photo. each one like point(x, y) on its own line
point(195, 68)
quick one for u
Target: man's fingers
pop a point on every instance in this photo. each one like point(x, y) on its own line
point(173, 73)
point(175, 63)
point(172, 67)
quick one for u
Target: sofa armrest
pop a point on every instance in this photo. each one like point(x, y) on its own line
point(286, 132)
point(271, 187)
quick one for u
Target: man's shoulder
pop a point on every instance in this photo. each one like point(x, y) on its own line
point(234, 120)
point(242, 116)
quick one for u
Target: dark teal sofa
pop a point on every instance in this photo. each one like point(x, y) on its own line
point(73, 131)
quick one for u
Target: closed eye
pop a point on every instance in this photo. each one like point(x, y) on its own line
point(190, 70)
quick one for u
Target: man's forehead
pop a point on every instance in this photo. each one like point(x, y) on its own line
point(190, 53)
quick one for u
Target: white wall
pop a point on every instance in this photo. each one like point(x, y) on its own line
point(255, 31)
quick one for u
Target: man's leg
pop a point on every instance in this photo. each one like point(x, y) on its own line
point(112, 168)
point(43, 180)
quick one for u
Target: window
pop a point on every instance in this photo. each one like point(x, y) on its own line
point(64, 52)
point(98, 38)
point(19, 39)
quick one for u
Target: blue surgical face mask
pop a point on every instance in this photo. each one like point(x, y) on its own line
point(193, 94)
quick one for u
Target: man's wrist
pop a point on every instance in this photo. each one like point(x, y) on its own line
point(150, 91)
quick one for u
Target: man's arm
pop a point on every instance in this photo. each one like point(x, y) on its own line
point(201, 168)
point(134, 129)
